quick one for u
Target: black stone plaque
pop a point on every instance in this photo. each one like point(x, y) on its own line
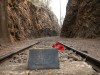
point(43, 59)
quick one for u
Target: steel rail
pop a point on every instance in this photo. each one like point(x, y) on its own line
point(94, 62)
point(10, 54)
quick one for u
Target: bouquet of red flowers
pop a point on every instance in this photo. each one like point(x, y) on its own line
point(58, 46)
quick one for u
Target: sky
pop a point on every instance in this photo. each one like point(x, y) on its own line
point(55, 7)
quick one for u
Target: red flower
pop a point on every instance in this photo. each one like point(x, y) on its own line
point(55, 45)
point(60, 47)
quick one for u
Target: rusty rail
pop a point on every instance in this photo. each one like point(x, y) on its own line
point(95, 63)
point(10, 54)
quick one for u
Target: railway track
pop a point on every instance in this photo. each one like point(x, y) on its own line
point(10, 54)
point(88, 58)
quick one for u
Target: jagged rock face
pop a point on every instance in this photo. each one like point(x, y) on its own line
point(82, 19)
point(26, 20)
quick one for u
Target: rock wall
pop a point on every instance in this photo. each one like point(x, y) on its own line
point(4, 33)
point(82, 19)
point(27, 20)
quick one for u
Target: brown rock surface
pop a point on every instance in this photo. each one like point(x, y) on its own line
point(27, 20)
point(4, 33)
point(82, 19)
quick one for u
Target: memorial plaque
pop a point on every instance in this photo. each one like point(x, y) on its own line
point(43, 59)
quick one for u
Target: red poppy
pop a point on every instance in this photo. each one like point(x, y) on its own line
point(55, 45)
point(60, 47)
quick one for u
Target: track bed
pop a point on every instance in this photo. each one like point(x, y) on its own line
point(70, 63)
